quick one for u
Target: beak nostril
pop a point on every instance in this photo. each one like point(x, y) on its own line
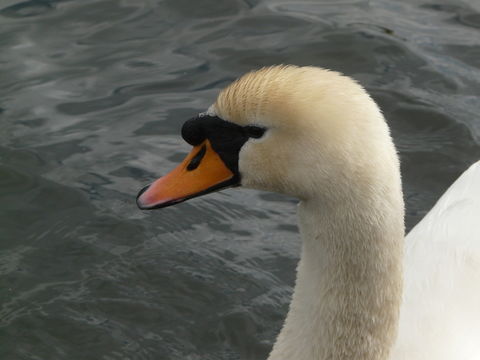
point(197, 159)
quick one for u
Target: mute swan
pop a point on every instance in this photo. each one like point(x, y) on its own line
point(317, 135)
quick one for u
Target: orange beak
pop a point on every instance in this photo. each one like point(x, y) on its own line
point(203, 171)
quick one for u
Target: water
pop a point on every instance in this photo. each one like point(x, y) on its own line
point(92, 98)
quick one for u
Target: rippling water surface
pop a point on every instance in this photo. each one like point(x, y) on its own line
point(92, 98)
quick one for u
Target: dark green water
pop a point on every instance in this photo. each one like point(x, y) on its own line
point(92, 98)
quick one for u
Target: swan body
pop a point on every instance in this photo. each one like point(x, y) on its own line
point(440, 313)
point(363, 290)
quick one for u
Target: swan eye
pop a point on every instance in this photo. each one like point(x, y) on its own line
point(255, 132)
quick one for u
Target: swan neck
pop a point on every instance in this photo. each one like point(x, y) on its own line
point(349, 282)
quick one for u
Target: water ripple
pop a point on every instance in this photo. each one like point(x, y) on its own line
point(93, 97)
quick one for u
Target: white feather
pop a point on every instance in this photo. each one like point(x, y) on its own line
point(328, 144)
point(440, 313)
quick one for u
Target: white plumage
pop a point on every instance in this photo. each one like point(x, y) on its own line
point(363, 291)
point(328, 144)
point(440, 314)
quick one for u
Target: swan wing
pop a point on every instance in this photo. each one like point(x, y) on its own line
point(440, 314)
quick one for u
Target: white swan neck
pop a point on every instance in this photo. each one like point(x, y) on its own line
point(349, 280)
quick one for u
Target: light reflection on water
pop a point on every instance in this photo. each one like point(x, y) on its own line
point(92, 100)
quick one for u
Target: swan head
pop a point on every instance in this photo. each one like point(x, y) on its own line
point(301, 131)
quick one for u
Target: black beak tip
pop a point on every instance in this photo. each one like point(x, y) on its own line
point(140, 205)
